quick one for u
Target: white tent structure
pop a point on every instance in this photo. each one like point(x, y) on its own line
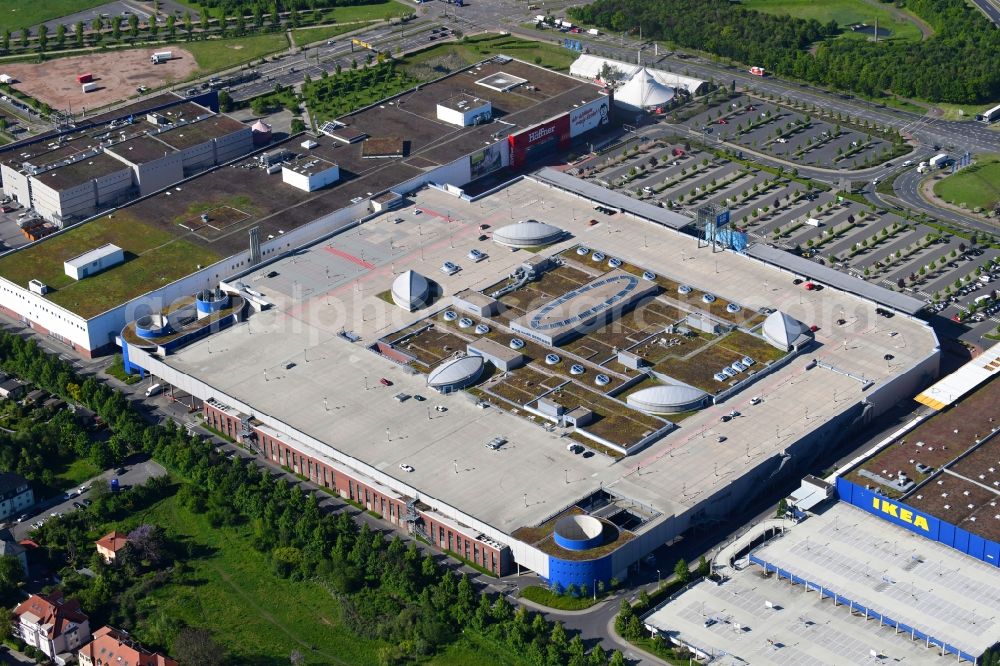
point(785, 331)
point(643, 92)
point(589, 67)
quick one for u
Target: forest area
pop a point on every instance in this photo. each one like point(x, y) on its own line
point(959, 64)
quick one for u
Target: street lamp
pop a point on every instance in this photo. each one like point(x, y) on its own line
point(657, 579)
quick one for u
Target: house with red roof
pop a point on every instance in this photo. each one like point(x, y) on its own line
point(53, 624)
point(113, 647)
point(110, 545)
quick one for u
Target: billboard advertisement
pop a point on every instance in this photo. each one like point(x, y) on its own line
point(589, 116)
point(487, 160)
point(540, 139)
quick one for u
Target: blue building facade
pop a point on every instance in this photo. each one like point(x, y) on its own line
point(907, 517)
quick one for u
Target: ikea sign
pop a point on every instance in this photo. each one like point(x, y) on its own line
point(900, 513)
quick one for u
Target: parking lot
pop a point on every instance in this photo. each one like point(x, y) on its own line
point(804, 135)
point(799, 216)
point(134, 471)
point(11, 235)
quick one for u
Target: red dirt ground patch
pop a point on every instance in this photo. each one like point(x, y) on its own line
point(117, 75)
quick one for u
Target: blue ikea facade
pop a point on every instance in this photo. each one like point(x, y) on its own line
point(917, 521)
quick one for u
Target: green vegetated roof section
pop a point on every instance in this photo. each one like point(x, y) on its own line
point(153, 258)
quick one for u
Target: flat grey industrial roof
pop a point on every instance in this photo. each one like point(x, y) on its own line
point(141, 149)
point(463, 102)
point(79, 172)
point(797, 630)
point(834, 278)
point(914, 580)
point(612, 199)
point(334, 285)
point(309, 165)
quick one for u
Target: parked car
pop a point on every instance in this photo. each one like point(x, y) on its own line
point(405, 467)
point(385, 382)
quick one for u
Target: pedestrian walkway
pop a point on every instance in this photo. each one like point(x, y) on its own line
point(723, 562)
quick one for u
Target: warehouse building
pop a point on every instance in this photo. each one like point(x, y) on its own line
point(468, 467)
point(70, 176)
point(171, 253)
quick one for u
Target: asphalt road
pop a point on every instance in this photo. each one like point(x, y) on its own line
point(906, 187)
point(290, 69)
point(967, 135)
point(990, 8)
point(137, 471)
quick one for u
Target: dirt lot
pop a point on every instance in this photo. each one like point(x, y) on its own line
point(117, 76)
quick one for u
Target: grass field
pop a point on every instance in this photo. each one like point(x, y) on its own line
point(17, 14)
point(153, 258)
point(374, 12)
point(975, 186)
point(453, 55)
point(304, 36)
point(79, 471)
point(961, 111)
point(546, 597)
point(475, 649)
point(217, 54)
point(259, 617)
point(844, 12)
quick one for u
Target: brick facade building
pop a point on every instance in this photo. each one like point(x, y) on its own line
point(402, 512)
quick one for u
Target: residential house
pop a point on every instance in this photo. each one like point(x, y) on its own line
point(110, 545)
point(17, 551)
point(53, 624)
point(112, 647)
point(12, 388)
point(16, 495)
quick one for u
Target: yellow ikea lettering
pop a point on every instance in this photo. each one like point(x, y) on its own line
point(904, 515)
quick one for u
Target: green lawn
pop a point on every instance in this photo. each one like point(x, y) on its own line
point(305, 36)
point(79, 470)
point(961, 111)
point(153, 258)
point(457, 54)
point(844, 12)
point(259, 617)
point(975, 186)
point(17, 14)
point(546, 597)
point(374, 12)
point(217, 54)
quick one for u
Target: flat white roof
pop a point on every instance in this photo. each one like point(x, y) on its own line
point(926, 585)
point(335, 285)
point(93, 255)
point(949, 389)
point(798, 630)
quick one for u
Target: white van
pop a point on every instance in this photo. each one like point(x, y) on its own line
point(154, 390)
